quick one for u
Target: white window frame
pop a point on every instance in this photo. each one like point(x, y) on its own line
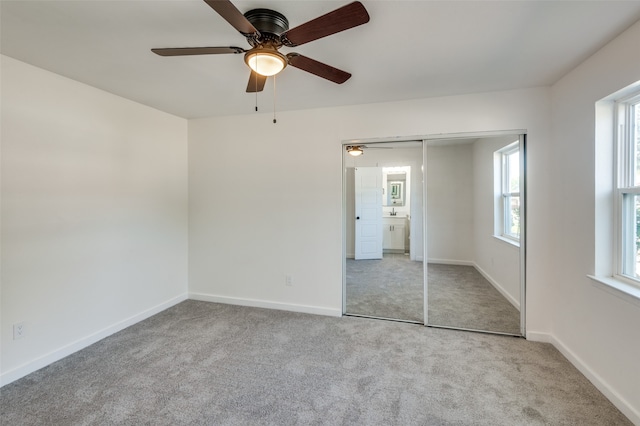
point(612, 150)
point(503, 209)
point(625, 187)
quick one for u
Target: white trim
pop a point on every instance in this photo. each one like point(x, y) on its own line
point(431, 136)
point(613, 396)
point(255, 303)
point(539, 336)
point(452, 262)
point(633, 190)
point(66, 350)
point(343, 179)
point(515, 243)
point(523, 233)
point(618, 288)
point(624, 253)
point(494, 283)
point(425, 237)
point(501, 290)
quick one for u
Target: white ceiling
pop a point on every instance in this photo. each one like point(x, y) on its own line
point(409, 49)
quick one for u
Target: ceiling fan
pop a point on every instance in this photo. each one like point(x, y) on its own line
point(357, 150)
point(267, 31)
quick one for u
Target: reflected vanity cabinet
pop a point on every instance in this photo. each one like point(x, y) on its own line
point(394, 234)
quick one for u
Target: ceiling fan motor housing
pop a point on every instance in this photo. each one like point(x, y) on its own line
point(269, 22)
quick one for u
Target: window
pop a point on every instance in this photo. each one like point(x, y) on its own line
point(508, 203)
point(617, 193)
point(628, 187)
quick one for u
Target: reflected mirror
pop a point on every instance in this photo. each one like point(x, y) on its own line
point(393, 186)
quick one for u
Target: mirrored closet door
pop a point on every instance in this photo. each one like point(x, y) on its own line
point(383, 197)
point(475, 233)
point(435, 231)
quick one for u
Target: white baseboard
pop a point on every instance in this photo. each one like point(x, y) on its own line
point(255, 303)
point(58, 354)
point(451, 262)
point(498, 287)
point(613, 396)
point(488, 277)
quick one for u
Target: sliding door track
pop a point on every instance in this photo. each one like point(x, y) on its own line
point(384, 318)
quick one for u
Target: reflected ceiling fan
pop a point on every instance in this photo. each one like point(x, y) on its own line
point(357, 150)
point(267, 31)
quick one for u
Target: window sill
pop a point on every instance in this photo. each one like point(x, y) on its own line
point(618, 288)
point(507, 240)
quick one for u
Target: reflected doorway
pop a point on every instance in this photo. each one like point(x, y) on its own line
point(384, 274)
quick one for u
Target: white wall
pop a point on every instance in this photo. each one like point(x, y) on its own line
point(94, 215)
point(597, 329)
point(284, 214)
point(498, 260)
point(450, 205)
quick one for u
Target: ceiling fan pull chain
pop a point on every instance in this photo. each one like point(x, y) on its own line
point(274, 99)
point(256, 79)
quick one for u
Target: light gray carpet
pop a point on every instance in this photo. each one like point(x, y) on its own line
point(201, 363)
point(459, 296)
point(391, 287)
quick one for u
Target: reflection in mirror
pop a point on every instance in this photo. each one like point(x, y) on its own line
point(384, 276)
point(394, 181)
point(395, 193)
point(473, 228)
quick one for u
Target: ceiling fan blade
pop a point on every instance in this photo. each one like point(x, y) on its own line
point(256, 82)
point(182, 51)
point(318, 68)
point(232, 15)
point(341, 19)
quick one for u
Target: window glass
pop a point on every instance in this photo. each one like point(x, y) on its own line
point(631, 230)
point(629, 189)
point(635, 136)
point(512, 219)
point(508, 214)
point(513, 177)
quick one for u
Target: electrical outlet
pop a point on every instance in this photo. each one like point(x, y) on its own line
point(19, 330)
point(288, 280)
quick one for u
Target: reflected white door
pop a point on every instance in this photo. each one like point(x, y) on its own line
point(368, 191)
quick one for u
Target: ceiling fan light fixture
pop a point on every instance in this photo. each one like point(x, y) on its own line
point(354, 150)
point(266, 62)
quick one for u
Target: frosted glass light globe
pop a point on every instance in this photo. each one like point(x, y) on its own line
point(265, 62)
